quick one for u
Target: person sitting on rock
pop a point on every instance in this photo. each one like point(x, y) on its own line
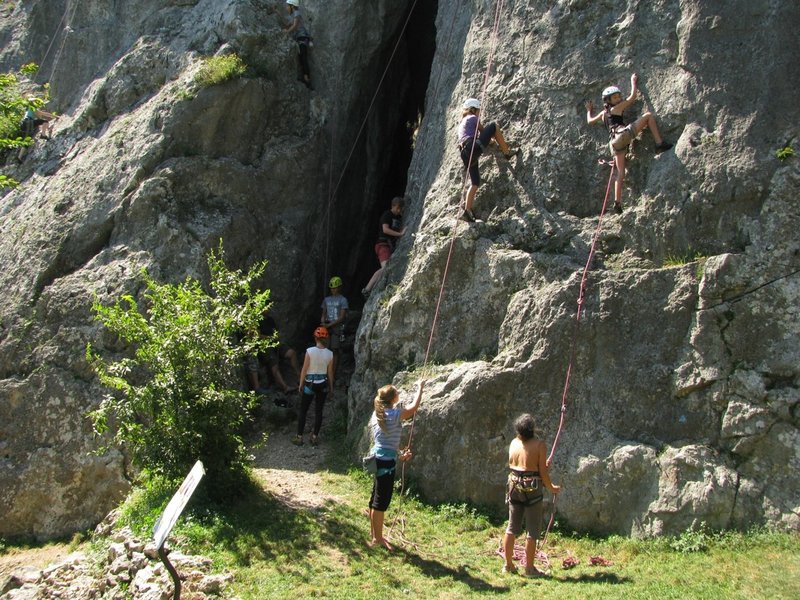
point(390, 228)
point(300, 34)
point(271, 357)
point(528, 476)
point(36, 119)
point(621, 135)
point(334, 312)
point(473, 139)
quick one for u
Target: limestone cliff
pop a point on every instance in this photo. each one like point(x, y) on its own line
point(683, 404)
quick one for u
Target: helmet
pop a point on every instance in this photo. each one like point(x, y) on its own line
point(610, 91)
point(335, 282)
point(293, 2)
point(321, 332)
point(472, 103)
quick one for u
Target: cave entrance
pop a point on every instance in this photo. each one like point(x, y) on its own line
point(381, 155)
point(412, 67)
point(390, 152)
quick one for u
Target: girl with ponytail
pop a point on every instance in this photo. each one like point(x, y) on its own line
point(386, 425)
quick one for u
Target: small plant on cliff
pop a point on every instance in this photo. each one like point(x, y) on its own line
point(784, 153)
point(676, 260)
point(177, 396)
point(217, 69)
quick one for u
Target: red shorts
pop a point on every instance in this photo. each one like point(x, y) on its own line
point(383, 251)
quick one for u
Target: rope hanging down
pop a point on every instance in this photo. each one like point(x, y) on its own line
point(68, 15)
point(325, 222)
point(575, 328)
point(492, 47)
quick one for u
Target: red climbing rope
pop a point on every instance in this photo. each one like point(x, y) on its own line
point(457, 222)
point(575, 327)
point(577, 322)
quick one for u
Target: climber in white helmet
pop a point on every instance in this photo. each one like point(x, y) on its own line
point(621, 135)
point(473, 139)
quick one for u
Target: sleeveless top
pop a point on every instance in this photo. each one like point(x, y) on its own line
point(318, 359)
point(612, 122)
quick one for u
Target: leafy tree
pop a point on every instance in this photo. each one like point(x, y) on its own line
point(12, 108)
point(178, 397)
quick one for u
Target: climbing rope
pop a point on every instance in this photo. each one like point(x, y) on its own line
point(457, 221)
point(573, 349)
point(453, 236)
point(332, 193)
point(578, 313)
point(68, 15)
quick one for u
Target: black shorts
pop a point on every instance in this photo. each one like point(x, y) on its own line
point(383, 486)
point(483, 141)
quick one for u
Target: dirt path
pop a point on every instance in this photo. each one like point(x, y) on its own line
point(34, 559)
point(292, 473)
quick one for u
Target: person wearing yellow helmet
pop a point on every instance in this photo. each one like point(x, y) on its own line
point(334, 313)
point(621, 135)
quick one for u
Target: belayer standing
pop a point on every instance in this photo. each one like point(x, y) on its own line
point(300, 34)
point(527, 478)
point(334, 312)
point(473, 139)
point(316, 381)
point(621, 135)
point(386, 425)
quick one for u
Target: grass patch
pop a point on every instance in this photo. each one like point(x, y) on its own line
point(448, 551)
point(677, 260)
point(218, 69)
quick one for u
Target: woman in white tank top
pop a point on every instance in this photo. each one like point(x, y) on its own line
point(316, 382)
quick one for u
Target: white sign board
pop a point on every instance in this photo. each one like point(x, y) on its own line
point(175, 507)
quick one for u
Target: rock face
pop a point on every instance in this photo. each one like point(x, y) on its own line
point(146, 170)
point(683, 401)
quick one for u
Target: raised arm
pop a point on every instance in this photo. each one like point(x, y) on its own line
point(590, 118)
point(618, 108)
point(409, 412)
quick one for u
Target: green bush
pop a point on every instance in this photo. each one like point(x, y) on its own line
point(12, 108)
point(177, 395)
point(217, 69)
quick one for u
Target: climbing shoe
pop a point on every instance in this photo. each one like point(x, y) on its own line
point(618, 207)
point(314, 440)
point(365, 293)
point(468, 216)
point(511, 153)
point(297, 440)
point(663, 146)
